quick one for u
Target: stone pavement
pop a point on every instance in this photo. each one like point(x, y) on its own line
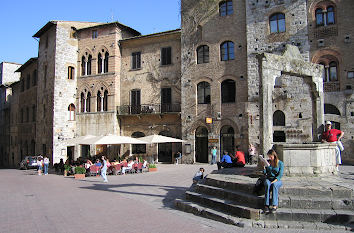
point(129, 203)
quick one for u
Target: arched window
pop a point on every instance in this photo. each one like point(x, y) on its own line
point(330, 15)
point(331, 109)
point(203, 54)
point(138, 148)
point(28, 81)
point(319, 17)
point(99, 63)
point(106, 58)
point(89, 61)
point(83, 65)
point(99, 101)
point(228, 91)
point(203, 91)
point(34, 80)
point(333, 71)
point(226, 8)
point(278, 82)
point(82, 102)
point(71, 110)
point(227, 51)
point(88, 102)
point(278, 118)
point(277, 23)
point(105, 101)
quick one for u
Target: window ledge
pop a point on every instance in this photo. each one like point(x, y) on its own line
point(166, 65)
point(135, 69)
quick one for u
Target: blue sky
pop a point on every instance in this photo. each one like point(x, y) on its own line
point(20, 20)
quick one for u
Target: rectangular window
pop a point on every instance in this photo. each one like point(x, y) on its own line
point(71, 72)
point(136, 60)
point(166, 56)
point(94, 34)
point(166, 100)
point(45, 76)
point(350, 74)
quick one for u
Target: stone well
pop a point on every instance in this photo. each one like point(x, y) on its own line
point(315, 159)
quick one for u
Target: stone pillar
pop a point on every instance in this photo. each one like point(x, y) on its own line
point(85, 104)
point(101, 103)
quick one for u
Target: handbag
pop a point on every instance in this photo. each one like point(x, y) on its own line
point(259, 186)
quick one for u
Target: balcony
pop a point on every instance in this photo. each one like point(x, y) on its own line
point(148, 109)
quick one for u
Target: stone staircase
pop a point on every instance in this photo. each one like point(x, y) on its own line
point(229, 198)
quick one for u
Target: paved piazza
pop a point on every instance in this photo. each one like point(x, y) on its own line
point(129, 203)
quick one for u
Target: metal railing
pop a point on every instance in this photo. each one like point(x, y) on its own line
point(148, 109)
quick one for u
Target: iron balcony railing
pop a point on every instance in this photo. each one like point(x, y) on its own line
point(148, 109)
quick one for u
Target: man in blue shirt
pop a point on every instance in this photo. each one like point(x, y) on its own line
point(225, 161)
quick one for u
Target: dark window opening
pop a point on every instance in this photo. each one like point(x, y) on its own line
point(226, 8)
point(203, 54)
point(228, 91)
point(278, 118)
point(227, 51)
point(166, 56)
point(279, 136)
point(203, 92)
point(136, 60)
point(331, 109)
point(138, 148)
point(277, 23)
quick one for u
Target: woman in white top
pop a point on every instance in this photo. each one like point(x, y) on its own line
point(104, 169)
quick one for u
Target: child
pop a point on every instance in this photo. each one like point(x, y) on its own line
point(198, 176)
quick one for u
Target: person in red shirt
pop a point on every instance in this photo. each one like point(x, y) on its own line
point(239, 159)
point(331, 135)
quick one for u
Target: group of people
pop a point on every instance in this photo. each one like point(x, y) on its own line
point(237, 160)
point(43, 165)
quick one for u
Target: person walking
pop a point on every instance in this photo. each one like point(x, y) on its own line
point(46, 165)
point(104, 169)
point(331, 135)
point(273, 182)
point(40, 165)
point(213, 155)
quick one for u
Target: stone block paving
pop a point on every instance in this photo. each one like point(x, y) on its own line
point(127, 203)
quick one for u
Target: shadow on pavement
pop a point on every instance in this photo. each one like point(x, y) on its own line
point(173, 192)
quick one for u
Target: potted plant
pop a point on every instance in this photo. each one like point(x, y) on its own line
point(80, 172)
point(152, 168)
point(67, 169)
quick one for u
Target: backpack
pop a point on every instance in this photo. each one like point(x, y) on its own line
point(259, 186)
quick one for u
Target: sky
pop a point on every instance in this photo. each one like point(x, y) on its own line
point(21, 19)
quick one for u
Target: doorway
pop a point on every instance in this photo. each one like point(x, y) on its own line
point(227, 142)
point(201, 145)
point(165, 149)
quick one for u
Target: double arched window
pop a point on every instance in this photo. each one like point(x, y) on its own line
point(325, 16)
point(85, 103)
point(277, 23)
point(86, 65)
point(102, 62)
point(330, 71)
point(227, 51)
point(203, 90)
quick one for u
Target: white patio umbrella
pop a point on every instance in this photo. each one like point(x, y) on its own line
point(159, 139)
point(151, 139)
point(111, 140)
point(77, 140)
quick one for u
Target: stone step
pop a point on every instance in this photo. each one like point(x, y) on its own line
point(228, 206)
point(311, 215)
point(199, 210)
point(247, 185)
point(237, 196)
point(305, 202)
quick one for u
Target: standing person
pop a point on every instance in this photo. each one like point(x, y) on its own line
point(178, 156)
point(213, 155)
point(46, 165)
point(104, 169)
point(273, 174)
point(40, 165)
point(251, 153)
point(331, 135)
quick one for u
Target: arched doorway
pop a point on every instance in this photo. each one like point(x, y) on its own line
point(165, 149)
point(227, 142)
point(201, 145)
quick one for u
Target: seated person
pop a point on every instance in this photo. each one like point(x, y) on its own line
point(225, 161)
point(98, 163)
point(129, 167)
point(115, 162)
point(145, 164)
point(199, 175)
point(239, 159)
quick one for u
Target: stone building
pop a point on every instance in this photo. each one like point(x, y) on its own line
point(214, 82)
point(7, 78)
